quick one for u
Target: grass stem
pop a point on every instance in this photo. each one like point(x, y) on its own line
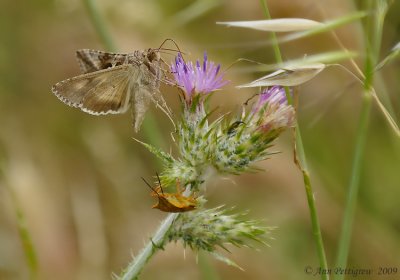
point(99, 25)
point(301, 162)
point(373, 35)
point(26, 239)
point(352, 195)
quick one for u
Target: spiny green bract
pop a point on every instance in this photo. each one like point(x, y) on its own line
point(227, 146)
point(212, 228)
point(240, 144)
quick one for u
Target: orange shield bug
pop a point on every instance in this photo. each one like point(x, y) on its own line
point(172, 202)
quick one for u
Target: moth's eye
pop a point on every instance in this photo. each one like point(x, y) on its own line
point(152, 55)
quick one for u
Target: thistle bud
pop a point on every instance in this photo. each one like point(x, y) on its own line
point(212, 228)
point(247, 140)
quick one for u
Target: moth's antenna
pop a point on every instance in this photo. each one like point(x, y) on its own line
point(166, 40)
point(161, 104)
point(248, 100)
point(243, 59)
point(159, 182)
point(172, 40)
point(168, 49)
point(163, 61)
point(154, 190)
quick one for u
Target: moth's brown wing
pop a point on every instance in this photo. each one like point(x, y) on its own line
point(92, 60)
point(98, 93)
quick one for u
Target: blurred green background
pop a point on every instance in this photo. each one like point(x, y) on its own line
point(76, 177)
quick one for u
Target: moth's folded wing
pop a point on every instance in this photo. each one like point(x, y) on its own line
point(92, 60)
point(98, 93)
point(88, 60)
point(111, 95)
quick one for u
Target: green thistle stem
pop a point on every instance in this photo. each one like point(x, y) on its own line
point(302, 164)
point(135, 267)
point(156, 243)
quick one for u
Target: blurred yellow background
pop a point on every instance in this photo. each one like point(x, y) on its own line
point(76, 177)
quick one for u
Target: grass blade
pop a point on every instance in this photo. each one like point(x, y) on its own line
point(26, 239)
point(193, 11)
point(394, 53)
point(275, 25)
point(291, 76)
point(386, 113)
point(325, 58)
point(326, 27)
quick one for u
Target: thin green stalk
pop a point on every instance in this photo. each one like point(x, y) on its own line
point(316, 228)
point(156, 242)
point(27, 245)
point(348, 218)
point(302, 164)
point(315, 224)
point(373, 38)
point(275, 45)
point(136, 266)
point(99, 25)
point(150, 129)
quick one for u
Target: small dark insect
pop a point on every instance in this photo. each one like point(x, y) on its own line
point(232, 128)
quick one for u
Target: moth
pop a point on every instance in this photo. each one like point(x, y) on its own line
point(172, 202)
point(111, 83)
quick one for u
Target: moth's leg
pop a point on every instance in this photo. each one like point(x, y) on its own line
point(148, 89)
point(140, 103)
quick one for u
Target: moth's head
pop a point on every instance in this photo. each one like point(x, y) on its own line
point(153, 55)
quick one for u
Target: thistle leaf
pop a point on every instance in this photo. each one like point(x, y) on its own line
point(166, 158)
point(225, 260)
point(290, 76)
point(275, 25)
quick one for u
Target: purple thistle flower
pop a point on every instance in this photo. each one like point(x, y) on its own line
point(275, 94)
point(273, 109)
point(197, 78)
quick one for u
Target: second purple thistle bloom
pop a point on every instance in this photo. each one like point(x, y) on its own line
point(277, 113)
point(197, 78)
point(273, 95)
